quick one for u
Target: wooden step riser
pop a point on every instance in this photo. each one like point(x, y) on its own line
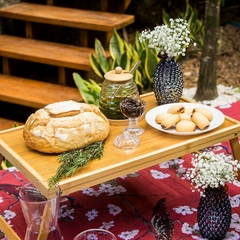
point(76, 18)
point(67, 17)
point(8, 123)
point(60, 55)
point(45, 52)
point(120, 5)
point(35, 94)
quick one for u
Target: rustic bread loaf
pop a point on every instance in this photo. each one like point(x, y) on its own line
point(65, 126)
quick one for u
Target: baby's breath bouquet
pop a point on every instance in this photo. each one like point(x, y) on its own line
point(170, 40)
point(212, 171)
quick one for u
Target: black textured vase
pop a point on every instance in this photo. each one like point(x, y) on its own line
point(214, 213)
point(168, 82)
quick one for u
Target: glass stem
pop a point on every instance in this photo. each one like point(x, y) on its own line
point(133, 123)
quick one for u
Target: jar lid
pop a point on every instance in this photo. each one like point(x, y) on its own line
point(118, 75)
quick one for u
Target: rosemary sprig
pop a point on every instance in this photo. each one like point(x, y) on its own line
point(72, 160)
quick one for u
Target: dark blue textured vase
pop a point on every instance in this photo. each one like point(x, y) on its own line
point(214, 214)
point(168, 82)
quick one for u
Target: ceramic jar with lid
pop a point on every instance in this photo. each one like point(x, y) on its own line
point(117, 86)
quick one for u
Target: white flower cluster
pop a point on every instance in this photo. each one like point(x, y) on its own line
point(212, 170)
point(171, 40)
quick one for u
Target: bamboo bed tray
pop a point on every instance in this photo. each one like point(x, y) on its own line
point(155, 147)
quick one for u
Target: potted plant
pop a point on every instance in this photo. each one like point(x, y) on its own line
point(209, 175)
point(169, 41)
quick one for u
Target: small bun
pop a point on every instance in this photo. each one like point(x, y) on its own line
point(185, 116)
point(185, 126)
point(176, 109)
point(161, 116)
point(200, 120)
point(189, 111)
point(170, 121)
point(205, 112)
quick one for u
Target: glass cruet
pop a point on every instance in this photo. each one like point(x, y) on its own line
point(41, 212)
point(117, 86)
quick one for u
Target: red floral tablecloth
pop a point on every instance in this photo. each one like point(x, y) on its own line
point(124, 205)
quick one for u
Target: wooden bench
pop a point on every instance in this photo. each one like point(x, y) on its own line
point(61, 55)
point(35, 94)
point(68, 17)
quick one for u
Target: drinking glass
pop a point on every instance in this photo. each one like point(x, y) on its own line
point(95, 234)
point(40, 212)
point(132, 108)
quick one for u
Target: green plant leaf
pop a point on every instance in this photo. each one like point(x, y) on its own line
point(198, 40)
point(139, 47)
point(138, 78)
point(128, 50)
point(96, 66)
point(136, 42)
point(187, 11)
point(150, 64)
point(165, 17)
point(135, 56)
point(114, 64)
point(101, 55)
point(125, 62)
point(95, 86)
point(92, 86)
point(94, 89)
point(237, 90)
point(87, 95)
point(8, 164)
point(192, 20)
point(116, 46)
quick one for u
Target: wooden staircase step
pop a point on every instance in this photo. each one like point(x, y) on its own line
point(8, 123)
point(77, 18)
point(119, 6)
point(68, 17)
point(56, 54)
point(60, 55)
point(35, 94)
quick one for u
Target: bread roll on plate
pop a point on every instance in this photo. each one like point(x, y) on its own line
point(170, 121)
point(64, 126)
point(188, 110)
point(185, 126)
point(200, 120)
point(205, 112)
point(185, 116)
point(176, 109)
point(161, 116)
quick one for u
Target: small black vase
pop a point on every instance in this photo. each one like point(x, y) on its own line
point(168, 82)
point(214, 213)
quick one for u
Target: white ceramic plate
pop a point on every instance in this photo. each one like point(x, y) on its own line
point(218, 118)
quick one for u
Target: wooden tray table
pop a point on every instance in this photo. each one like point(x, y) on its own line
point(155, 147)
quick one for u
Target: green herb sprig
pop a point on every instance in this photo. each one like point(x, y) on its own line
point(72, 160)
